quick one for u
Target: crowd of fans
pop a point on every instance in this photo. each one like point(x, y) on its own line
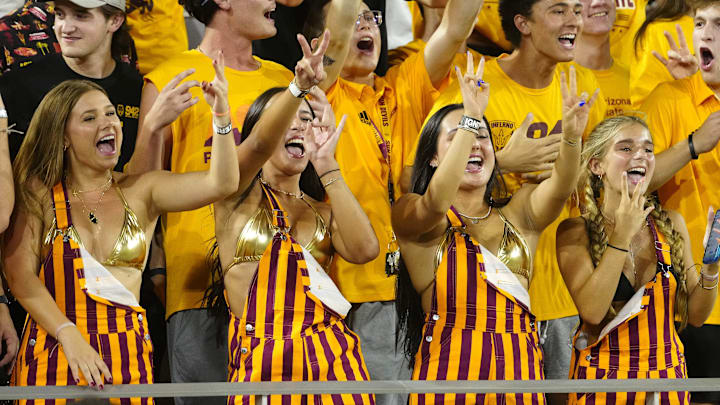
point(347, 190)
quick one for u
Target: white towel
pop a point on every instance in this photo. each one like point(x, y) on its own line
point(100, 282)
point(322, 286)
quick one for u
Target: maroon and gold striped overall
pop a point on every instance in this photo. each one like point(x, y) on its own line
point(646, 345)
point(286, 333)
point(119, 333)
point(475, 330)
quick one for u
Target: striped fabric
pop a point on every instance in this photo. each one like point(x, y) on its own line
point(117, 332)
point(286, 333)
point(475, 330)
point(644, 346)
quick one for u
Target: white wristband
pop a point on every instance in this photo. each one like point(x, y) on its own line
point(61, 327)
point(297, 91)
point(3, 113)
point(222, 130)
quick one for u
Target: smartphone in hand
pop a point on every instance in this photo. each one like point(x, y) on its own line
point(712, 248)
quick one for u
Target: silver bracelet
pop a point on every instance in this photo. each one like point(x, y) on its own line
point(325, 185)
point(222, 130)
point(61, 327)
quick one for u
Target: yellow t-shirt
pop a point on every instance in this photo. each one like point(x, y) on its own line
point(647, 72)
point(629, 16)
point(615, 85)
point(509, 104)
point(408, 94)
point(675, 109)
point(189, 234)
point(488, 23)
point(159, 33)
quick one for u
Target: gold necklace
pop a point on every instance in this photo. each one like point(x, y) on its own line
point(476, 220)
point(287, 193)
point(91, 213)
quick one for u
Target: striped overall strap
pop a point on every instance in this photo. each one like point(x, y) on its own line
point(662, 248)
point(279, 216)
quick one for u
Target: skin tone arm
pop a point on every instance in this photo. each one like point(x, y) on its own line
point(701, 300)
point(340, 21)
point(414, 215)
point(6, 181)
point(549, 197)
point(158, 109)
point(592, 289)
point(677, 156)
point(352, 234)
point(457, 23)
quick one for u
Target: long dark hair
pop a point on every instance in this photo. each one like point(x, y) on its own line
point(310, 184)
point(667, 10)
point(408, 303)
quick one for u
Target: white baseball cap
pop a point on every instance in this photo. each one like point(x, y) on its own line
point(119, 4)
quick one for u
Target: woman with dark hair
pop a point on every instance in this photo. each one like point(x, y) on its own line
point(468, 248)
point(275, 239)
point(627, 263)
point(77, 242)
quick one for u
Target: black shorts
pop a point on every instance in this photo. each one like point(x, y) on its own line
point(702, 353)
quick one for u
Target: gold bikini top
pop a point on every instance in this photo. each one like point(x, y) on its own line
point(259, 231)
point(130, 247)
point(513, 250)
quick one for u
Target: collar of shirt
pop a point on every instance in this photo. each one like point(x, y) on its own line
point(366, 94)
point(702, 91)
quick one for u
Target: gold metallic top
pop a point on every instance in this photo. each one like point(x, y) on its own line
point(259, 231)
point(130, 247)
point(513, 250)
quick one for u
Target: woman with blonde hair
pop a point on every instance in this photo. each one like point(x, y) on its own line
point(627, 263)
point(79, 237)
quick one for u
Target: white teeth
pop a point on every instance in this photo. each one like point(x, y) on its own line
point(107, 138)
point(568, 36)
point(600, 14)
point(475, 160)
point(296, 141)
point(640, 170)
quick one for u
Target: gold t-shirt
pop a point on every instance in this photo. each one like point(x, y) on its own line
point(675, 109)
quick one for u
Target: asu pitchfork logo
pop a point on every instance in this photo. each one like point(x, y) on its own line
point(364, 118)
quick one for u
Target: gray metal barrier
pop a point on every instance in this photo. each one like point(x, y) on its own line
point(359, 387)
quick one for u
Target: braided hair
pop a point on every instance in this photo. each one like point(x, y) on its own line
point(591, 188)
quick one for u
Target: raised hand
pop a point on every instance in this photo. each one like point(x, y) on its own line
point(576, 108)
point(323, 136)
point(522, 154)
point(216, 92)
point(82, 358)
point(174, 98)
point(630, 215)
point(310, 71)
point(475, 91)
point(681, 63)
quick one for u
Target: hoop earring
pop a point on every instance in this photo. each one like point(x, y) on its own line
point(65, 148)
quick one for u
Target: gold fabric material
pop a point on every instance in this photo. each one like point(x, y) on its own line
point(513, 250)
point(130, 247)
point(259, 231)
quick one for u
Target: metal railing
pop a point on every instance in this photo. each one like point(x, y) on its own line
point(359, 387)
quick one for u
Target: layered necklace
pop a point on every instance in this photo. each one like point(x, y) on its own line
point(476, 220)
point(103, 189)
